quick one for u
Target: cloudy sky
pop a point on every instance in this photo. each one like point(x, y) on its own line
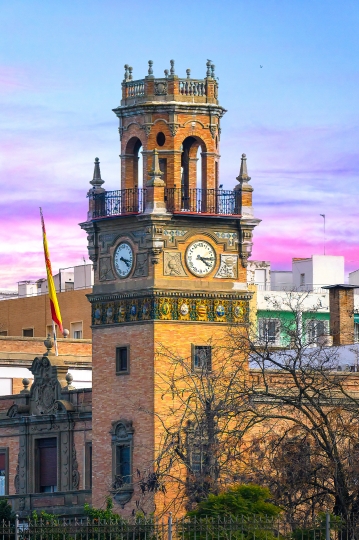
point(297, 117)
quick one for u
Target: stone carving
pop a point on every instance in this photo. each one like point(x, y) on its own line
point(147, 129)
point(105, 241)
point(46, 388)
point(155, 254)
point(17, 479)
point(141, 269)
point(172, 264)
point(75, 469)
point(213, 130)
point(106, 273)
point(160, 88)
point(173, 233)
point(173, 129)
point(231, 238)
point(227, 267)
point(22, 504)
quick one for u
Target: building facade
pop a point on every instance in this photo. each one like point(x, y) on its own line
point(45, 438)
point(169, 265)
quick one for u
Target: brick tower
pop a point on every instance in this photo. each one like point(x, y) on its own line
point(170, 264)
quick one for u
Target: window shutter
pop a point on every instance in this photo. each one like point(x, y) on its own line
point(48, 462)
point(2, 462)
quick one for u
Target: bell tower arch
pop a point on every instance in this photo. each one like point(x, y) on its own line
point(175, 116)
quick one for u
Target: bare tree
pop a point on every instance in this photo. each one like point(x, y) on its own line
point(308, 450)
point(206, 422)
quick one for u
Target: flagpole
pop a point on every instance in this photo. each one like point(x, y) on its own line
point(54, 305)
point(323, 216)
point(55, 339)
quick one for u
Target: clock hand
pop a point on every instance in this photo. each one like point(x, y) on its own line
point(126, 261)
point(203, 259)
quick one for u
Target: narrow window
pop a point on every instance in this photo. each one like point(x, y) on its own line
point(88, 466)
point(3, 472)
point(163, 169)
point(123, 463)
point(28, 332)
point(122, 360)
point(302, 280)
point(202, 357)
point(47, 465)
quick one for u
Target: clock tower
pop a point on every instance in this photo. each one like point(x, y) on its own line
point(170, 262)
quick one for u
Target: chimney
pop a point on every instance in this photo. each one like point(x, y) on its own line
point(341, 307)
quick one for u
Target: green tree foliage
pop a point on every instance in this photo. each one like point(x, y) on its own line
point(242, 500)
point(6, 513)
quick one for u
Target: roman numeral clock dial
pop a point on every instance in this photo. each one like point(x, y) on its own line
point(200, 258)
point(123, 259)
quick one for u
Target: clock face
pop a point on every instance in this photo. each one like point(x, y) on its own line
point(200, 258)
point(123, 259)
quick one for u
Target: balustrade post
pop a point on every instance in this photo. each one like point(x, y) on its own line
point(17, 527)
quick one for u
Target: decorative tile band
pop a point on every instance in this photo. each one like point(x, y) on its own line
point(169, 308)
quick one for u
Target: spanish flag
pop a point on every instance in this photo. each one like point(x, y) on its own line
point(55, 309)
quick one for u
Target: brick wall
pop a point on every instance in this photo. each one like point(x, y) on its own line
point(34, 312)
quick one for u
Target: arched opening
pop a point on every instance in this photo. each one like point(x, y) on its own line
point(192, 169)
point(132, 171)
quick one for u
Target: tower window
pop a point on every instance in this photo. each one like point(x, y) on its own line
point(123, 463)
point(302, 280)
point(122, 360)
point(163, 169)
point(161, 138)
point(201, 357)
point(122, 441)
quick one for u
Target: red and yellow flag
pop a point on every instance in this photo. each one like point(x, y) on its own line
point(55, 309)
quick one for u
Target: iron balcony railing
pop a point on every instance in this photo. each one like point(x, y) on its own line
point(119, 202)
point(178, 200)
point(203, 201)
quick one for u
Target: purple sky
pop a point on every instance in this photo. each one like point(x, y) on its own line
point(296, 118)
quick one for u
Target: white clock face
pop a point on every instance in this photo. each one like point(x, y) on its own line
point(200, 258)
point(123, 259)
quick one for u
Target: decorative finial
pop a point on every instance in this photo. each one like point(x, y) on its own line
point(126, 72)
point(166, 73)
point(26, 383)
point(130, 69)
point(213, 67)
point(97, 181)
point(188, 71)
point(49, 343)
point(208, 64)
point(172, 70)
point(69, 378)
point(66, 333)
point(243, 177)
point(156, 173)
point(150, 70)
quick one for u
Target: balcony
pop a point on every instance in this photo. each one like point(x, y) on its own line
point(126, 202)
